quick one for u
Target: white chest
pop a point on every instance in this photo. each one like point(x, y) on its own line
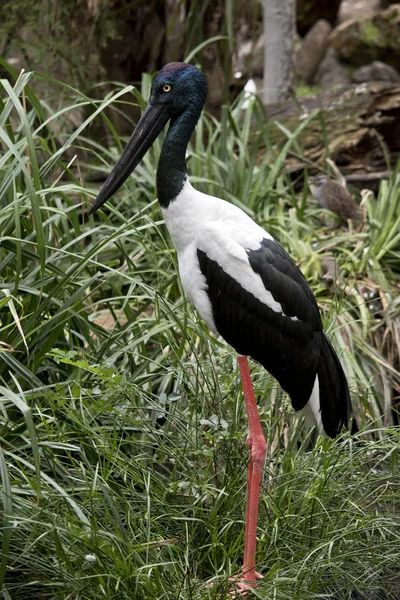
point(185, 218)
point(221, 230)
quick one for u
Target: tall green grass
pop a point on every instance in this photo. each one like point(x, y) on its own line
point(123, 457)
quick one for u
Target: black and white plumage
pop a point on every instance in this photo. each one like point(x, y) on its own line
point(247, 288)
point(242, 282)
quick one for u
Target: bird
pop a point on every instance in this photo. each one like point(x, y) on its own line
point(333, 196)
point(242, 282)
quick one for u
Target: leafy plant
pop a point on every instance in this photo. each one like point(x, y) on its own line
point(122, 430)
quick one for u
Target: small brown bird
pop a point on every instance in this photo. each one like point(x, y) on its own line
point(335, 197)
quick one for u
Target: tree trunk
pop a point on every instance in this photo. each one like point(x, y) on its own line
point(279, 32)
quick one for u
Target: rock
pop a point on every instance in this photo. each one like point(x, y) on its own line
point(331, 72)
point(358, 9)
point(309, 12)
point(377, 37)
point(312, 51)
point(376, 71)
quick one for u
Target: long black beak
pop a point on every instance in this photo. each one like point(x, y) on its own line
point(150, 125)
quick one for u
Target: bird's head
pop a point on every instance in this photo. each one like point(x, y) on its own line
point(178, 88)
point(320, 180)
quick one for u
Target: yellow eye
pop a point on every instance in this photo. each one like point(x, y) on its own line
point(166, 88)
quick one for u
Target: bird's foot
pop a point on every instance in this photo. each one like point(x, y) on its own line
point(242, 584)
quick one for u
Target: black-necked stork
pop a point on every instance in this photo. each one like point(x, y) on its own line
point(242, 282)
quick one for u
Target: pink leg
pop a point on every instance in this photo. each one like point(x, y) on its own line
point(257, 447)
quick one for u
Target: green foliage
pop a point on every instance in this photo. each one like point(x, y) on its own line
point(84, 43)
point(60, 37)
point(122, 430)
point(306, 90)
point(370, 34)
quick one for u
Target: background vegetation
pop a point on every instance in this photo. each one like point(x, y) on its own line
point(123, 454)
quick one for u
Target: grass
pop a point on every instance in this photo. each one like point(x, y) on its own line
point(123, 457)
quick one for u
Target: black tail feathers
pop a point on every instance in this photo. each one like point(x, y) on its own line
point(333, 391)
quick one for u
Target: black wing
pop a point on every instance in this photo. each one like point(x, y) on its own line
point(286, 343)
point(287, 284)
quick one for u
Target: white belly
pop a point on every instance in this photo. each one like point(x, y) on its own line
point(195, 286)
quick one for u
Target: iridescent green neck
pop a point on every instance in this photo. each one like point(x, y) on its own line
point(171, 172)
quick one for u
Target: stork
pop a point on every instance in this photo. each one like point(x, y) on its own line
point(243, 284)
